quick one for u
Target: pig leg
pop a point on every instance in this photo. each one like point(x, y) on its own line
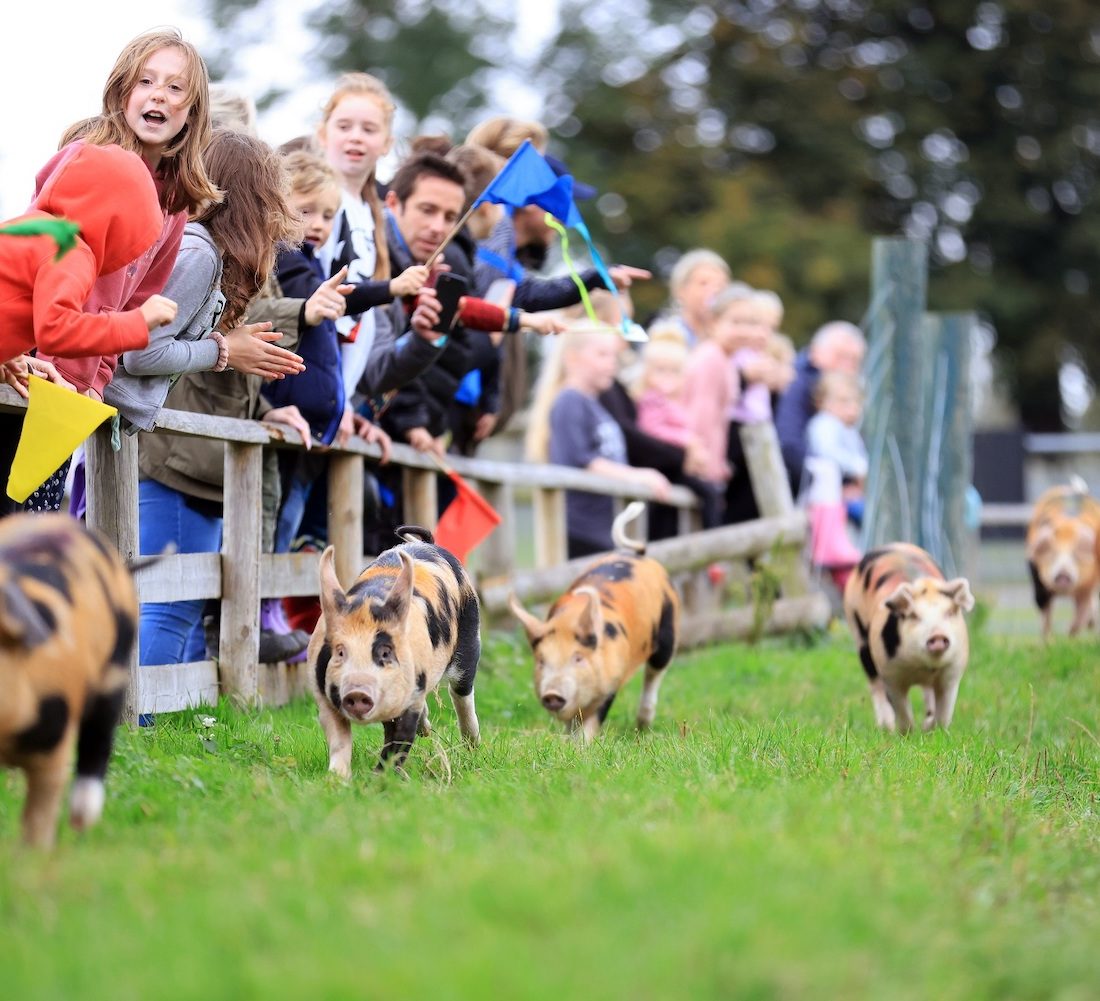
point(338, 734)
point(1082, 612)
point(1042, 599)
point(945, 701)
point(591, 723)
point(467, 717)
point(424, 725)
point(46, 777)
point(398, 738)
point(929, 707)
point(884, 712)
point(903, 708)
point(462, 670)
point(648, 708)
point(93, 752)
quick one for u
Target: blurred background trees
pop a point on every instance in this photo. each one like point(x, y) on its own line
point(786, 133)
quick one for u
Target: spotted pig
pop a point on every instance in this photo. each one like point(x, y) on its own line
point(68, 613)
point(1062, 539)
point(622, 611)
point(410, 618)
point(908, 626)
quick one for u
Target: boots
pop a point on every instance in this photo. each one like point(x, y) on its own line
point(278, 641)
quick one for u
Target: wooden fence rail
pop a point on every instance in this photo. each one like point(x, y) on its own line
point(241, 575)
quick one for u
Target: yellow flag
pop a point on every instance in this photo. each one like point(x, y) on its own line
point(57, 421)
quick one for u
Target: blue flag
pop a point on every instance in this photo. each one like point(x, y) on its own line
point(527, 179)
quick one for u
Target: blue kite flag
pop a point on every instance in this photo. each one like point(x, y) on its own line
point(527, 179)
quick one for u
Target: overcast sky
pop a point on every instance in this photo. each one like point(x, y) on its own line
point(52, 71)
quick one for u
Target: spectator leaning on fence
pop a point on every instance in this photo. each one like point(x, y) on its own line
point(181, 479)
point(569, 427)
point(836, 347)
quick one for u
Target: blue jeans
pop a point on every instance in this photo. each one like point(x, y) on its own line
point(171, 632)
point(295, 495)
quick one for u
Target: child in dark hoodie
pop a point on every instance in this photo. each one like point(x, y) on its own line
point(318, 392)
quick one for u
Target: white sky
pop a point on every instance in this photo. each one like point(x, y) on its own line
point(56, 61)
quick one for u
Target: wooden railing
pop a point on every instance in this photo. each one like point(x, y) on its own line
point(241, 574)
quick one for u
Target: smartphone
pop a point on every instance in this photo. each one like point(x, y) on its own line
point(450, 288)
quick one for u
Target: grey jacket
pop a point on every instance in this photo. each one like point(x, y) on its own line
point(143, 378)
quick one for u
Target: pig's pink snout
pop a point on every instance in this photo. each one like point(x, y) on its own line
point(553, 702)
point(1063, 580)
point(358, 704)
point(938, 644)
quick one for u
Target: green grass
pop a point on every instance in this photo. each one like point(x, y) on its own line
point(765, 841)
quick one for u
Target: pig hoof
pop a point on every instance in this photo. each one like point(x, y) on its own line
point(85, 803)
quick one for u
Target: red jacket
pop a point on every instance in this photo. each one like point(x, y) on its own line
point(110, 194)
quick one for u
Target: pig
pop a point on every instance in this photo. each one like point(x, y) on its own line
point(1062, 538)
point(68, 617)
point(410, 618)
point(909, 628)
point(622, 611)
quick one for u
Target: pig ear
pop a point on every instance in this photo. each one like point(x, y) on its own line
point(536, 628)
point(20, 620)
point(901, 600)
point(1043, 537)
point(332, 595)
point(958, 590)
point(591, 621)
point(398, 601)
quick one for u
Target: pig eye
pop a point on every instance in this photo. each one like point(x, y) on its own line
point(383, 654)
point(339, 652)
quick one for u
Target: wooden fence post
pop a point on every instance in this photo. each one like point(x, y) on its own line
point(345, 515)
point(421, 497)
point(496, 556)
point(239, 647)
point(772, 489)
point(551, 547)
point(112, 491)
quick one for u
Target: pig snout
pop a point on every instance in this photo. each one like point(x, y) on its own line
point(937, 644)
point(553, 702)
point(357, 703)
point(1063, 580)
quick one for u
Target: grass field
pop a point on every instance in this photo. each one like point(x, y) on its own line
point(765, 841)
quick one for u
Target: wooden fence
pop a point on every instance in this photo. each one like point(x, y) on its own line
point(241, 575)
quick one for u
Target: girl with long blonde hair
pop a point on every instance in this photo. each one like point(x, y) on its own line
point(356, 130)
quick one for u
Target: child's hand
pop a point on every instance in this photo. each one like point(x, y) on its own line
point(655, 480)
point(373, 434)
point(543, 323)
point(250, 352)
point(421, 439)
point(346, 428)
point(328, 302)
point(410, 281)
point(157, 311)
point(623, 275)
point(484, 426)
point(292, 417)
point(695, 460)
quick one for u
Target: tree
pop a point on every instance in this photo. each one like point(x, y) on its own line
point(785, 133)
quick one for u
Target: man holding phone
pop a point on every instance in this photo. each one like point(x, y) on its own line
point(422, 356)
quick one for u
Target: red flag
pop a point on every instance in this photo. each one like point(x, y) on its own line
point(467, 522)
